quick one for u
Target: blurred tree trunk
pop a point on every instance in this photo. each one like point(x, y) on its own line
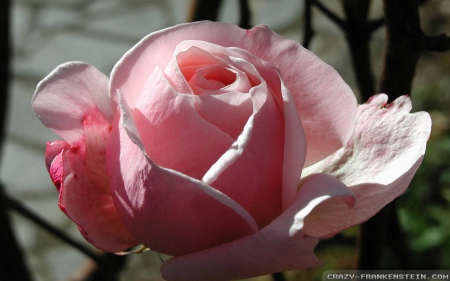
point(404, 43)
point(358, 37)
point(204, 10)
point(12, 264)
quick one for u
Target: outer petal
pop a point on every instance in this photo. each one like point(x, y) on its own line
point(325, 103)
point(79, 173)
point(67, 95)
point(73, 101)
point(377, 163)
point(294, 149)
point(280, 246)
point(54, 161)
point(328, 122)
point(167, 211)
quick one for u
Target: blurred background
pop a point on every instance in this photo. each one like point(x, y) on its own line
point(46, 33)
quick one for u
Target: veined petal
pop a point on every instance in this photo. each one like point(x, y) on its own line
point(67, 95)
point(294, 149)
point(325, 103)
point(173, 132)
point(244, 172)
point(280, 246)
point(229, 111)
point(84, 191)
point(377, 163)
point(168, 211)
point(91, 208)
point(328, 122)
point(251, 171)
point(73, 101)
point(54, 161)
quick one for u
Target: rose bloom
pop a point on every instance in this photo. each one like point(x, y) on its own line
point(232, 150)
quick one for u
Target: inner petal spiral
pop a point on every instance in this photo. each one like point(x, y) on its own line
point(209, 78)
point(220, 87)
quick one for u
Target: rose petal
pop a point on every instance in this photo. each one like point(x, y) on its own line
point(250, 172)
point(232, 101)
point(278, 247)
point(295, 145)
point(229, 112)
point(294, 153)
point(84, 192)
point(64, 98)
point(167, 211)
point(173, 132)
point(294, 149)
point(73, 101)
point(325, 103)
point(328, 122)
point(377, 163)
point(54, 161)
point(258, 189)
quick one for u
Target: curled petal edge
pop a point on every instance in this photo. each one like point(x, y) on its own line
point(377, 164)
point(133, 133)
point(69, 93)
point(280, 246)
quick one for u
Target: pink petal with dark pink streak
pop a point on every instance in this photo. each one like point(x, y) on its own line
point(280, 246)
point(167, 211)
point(377, 163)
point(67, 95)
point(85, 196)
point(73, 101)
point(54, 161)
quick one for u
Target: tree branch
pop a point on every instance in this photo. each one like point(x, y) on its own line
point(18, 207)
point(4, 63)
point(375, 24)
point(108, 265)
point(12, 264)
point(245, 18)
point(358, 37)
point(337, 20)
point(309, 32)
point(398, 242)
point(439, 43)
point(373, 240)
point(204, 10)
point(404, 43)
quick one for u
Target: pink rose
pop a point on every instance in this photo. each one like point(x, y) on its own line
point(233, 150)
